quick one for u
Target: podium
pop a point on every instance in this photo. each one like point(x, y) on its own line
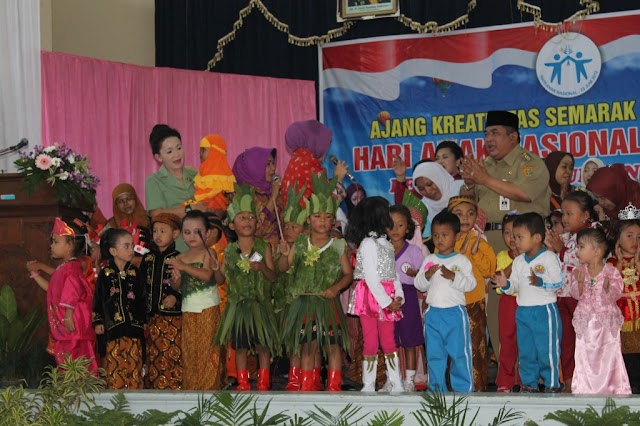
point(25, 228)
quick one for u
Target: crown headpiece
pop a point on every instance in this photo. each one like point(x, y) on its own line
point(61, 229)
point(322, 201)
point(243, 201)
point(297, 206)
point(629, 213)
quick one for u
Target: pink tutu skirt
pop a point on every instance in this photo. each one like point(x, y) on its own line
point(363, 303)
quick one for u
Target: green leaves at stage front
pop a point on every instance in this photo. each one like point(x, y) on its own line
point(120, 414)
point(435, 411)
point(346, 417)
point(611, 415)
point(225, 409)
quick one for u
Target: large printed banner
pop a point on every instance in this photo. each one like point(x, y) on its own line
point(576, 92)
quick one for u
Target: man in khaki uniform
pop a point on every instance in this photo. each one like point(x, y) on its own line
point(510, 179)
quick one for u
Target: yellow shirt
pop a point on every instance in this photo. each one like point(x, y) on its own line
point(503, 261)
point(483, 264)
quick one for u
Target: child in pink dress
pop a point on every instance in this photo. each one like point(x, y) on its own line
point(69, 298)
point(597, 319)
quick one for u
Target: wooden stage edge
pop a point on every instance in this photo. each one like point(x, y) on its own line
point(534, 406)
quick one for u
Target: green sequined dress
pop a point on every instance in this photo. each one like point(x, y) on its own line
point(315, 269)
point(249, 312)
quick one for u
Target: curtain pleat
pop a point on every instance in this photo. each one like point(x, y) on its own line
point(106, 110)
point(19, 76)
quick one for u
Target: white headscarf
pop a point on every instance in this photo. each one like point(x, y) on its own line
point(598, 162)
point(443, 180)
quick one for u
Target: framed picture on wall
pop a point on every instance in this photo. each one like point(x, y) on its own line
point(366, 9)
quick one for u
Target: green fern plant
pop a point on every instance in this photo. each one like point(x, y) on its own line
point(200, 415)
point(63, 391)
point(610, 415)
point(384, 418)
point(299, 421)
point(120, 414)
point(435, 412)
point(346, 417)
point(225, 409)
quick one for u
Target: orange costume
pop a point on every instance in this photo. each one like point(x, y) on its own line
point(214, 179)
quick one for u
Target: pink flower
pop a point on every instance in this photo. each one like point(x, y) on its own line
point(43, 162)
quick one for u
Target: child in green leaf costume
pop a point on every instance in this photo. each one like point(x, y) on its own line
point(294, 218)
point(248, 321)
point(320, 269)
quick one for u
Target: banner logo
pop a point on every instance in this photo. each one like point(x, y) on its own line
point(568, 65)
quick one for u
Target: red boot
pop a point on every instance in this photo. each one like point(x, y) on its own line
point(334, 381)
point(307, 381)
point(243, 380)
point(317, 383)
point(264, 384)
point(294, 379)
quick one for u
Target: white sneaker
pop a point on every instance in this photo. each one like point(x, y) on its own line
point(386, 388)
point(408, 386)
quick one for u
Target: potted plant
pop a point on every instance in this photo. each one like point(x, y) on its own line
point(17, 349)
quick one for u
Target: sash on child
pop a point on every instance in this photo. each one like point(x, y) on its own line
point(364, 303)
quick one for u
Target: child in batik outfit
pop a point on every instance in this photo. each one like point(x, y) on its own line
point(119, 311)
point(164, 315)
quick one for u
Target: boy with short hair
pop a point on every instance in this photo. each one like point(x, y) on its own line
point(446, 276)
point(164, 314)
point(536, 275)
point(470, 243)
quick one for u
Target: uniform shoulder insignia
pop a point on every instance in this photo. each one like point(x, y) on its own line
point(526, 156)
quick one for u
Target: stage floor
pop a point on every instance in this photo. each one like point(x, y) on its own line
point(534, 406)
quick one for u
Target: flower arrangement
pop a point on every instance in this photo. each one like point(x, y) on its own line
point(67, 172)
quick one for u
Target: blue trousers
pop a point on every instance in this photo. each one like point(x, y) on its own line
point(447, 335)
point(539, 330)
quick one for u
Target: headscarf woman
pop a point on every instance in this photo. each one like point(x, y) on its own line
point(614, 189)
point(436, 186)
point(589, 167)
point(257, 167)
point(128, 211)
point(560, 166)
point(308, 142)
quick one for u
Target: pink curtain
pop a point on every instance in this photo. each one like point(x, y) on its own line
point(106, 110)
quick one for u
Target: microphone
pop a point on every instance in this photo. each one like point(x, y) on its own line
point(23, 142)
point(334, 160)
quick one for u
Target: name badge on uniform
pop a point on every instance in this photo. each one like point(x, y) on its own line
point(505, 204)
